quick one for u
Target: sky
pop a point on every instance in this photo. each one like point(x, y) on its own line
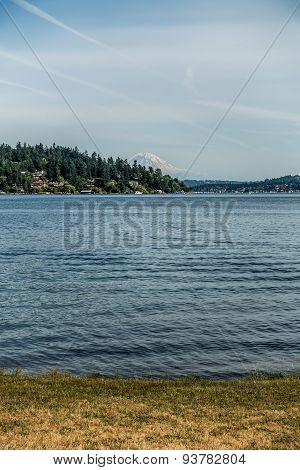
point(123, 77)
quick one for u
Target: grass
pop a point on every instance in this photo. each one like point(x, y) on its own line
point(57, 411)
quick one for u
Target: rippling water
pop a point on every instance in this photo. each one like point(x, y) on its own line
point(150, 286)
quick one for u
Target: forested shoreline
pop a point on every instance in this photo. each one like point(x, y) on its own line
point(64, 170)
point(283, 184)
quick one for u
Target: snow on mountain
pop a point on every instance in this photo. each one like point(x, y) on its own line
point(148, 160)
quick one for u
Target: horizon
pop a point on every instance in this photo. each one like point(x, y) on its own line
point(147, 76)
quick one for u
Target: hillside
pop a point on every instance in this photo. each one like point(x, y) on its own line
point(56, 169)
point(283, 184)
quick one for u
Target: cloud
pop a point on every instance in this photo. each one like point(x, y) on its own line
point(25, 87)
point(252, 112)
point(103, 45)
point(71, 78)
point(51, 19)
point(142, 111)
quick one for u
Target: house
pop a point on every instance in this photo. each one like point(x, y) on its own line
point(38, 183)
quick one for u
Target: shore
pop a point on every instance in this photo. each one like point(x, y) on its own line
point(57, 411)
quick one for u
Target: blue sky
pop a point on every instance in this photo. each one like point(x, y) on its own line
point(156, 76)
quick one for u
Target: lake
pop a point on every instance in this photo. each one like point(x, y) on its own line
point(162, 286)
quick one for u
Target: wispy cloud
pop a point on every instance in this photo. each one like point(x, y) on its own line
point(118, 52)
point(85, 83)
point(252, 111)
point(34, 10)
point(142, 111)
point(51, 19)
point(25, 87)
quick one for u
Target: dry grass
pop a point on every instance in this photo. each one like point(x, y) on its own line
point(64, 412)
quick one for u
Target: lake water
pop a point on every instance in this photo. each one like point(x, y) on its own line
point(150, 285)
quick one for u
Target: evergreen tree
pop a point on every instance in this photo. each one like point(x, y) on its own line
point(64, 169)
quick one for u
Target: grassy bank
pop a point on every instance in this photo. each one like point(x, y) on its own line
point(63, 412)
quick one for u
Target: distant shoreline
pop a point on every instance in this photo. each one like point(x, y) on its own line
point(190, 193)
point(284, 184)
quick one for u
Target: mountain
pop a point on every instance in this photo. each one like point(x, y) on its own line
point(148, 160)
point(64, 170)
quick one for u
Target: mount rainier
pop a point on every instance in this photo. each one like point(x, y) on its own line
point(147, 160)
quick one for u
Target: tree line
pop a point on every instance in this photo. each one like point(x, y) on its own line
point(39, 168)
point(287, 183)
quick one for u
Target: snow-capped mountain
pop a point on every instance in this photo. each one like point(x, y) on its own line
point(147, 160)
